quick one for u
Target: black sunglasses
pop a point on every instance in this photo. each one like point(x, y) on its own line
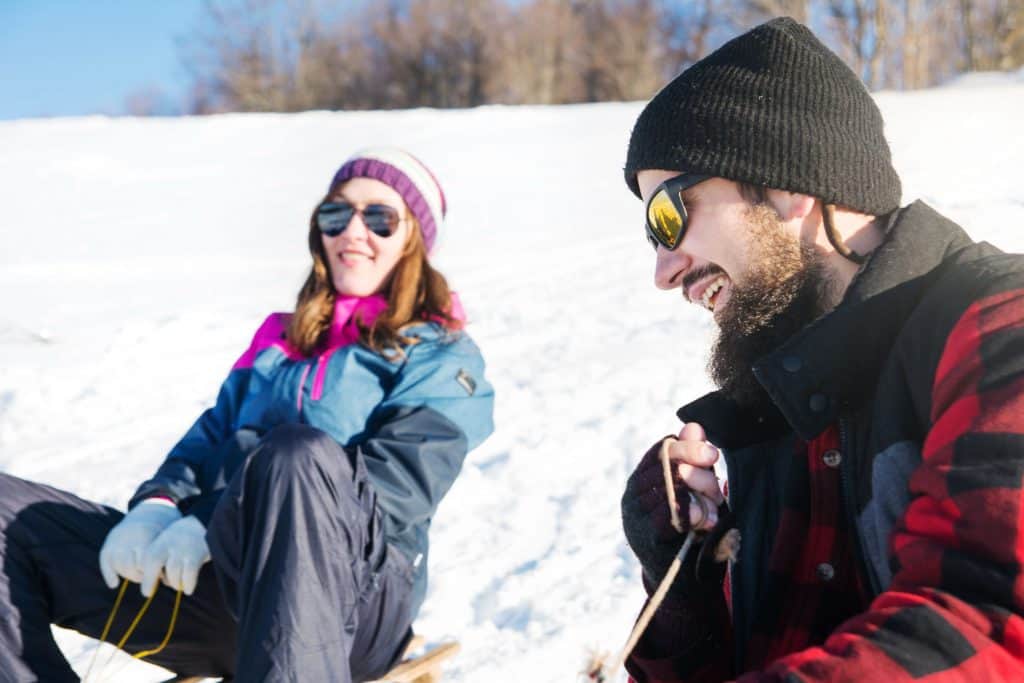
point(333, 217)
point(666, 213)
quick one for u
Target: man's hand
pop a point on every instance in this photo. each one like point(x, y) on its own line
point(646, 517)
point(176, 556)
point(125, 545)
point(693, 460)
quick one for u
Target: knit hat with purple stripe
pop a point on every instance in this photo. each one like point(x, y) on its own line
point(408, 177)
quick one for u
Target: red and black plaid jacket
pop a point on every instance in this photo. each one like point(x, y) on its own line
point(882, 506)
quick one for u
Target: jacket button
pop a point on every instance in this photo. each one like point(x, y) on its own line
point(825, 571)
point(832, 458)
point(818, 402)
point(792, 363)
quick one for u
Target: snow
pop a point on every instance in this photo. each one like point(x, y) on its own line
point(137, 256)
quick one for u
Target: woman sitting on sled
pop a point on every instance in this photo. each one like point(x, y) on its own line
point(310, 484)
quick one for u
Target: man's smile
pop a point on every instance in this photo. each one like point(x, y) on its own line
point(704, 284)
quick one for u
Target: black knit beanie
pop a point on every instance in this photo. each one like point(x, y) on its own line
point(772, 107)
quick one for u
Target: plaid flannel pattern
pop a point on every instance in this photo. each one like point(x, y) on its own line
point(953, 609)
point(812, 581)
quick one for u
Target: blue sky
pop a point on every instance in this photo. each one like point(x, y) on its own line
point(75, 57)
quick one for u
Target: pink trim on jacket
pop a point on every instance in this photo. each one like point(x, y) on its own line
point(270, 333)
point(302, 383)
point(348, 312)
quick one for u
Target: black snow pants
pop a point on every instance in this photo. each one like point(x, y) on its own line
point(302, 585)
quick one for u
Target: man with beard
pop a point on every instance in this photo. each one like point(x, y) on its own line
point(870, 411)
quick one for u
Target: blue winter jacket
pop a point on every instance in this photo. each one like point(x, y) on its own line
point(412, 420)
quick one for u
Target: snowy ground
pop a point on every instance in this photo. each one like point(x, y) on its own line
point(137, 257)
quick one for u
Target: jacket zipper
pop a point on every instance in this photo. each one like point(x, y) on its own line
point(317, 392)
point(302, 385)
point(848, 495)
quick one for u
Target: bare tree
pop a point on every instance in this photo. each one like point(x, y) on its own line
point(232, 57)
point(967, 15)
point(687, 34)
point(1009, 23)
point(852, 21)
point(878, 75)
point(1002, 23)
point(911, 68)
point(621, 53)
point(798, 9)
point(593, 50)
point(150, 100)
point(940, 36)
point(538, 53)
point(290, 55)
point(437, 52)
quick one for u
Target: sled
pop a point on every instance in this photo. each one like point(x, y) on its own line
point(425, 668)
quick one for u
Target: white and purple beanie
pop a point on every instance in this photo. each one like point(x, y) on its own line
point(408, 177)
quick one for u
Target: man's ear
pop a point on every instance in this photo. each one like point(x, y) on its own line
point(791, 205)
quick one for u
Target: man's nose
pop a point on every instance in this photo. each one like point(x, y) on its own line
point(670, 266)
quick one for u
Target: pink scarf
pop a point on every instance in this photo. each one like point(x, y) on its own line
point(350, 310)
point(344, 330)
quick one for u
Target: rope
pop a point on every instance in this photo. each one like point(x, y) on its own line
point(828, 215)
point(106, 629)
point(170, 630)
point(666, 469)
point(131, 629)
point(653, 604)
point(600, 672)
point(135, 622)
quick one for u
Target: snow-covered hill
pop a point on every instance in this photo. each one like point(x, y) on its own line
point(138, 256)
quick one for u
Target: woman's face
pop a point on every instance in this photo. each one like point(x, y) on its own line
point(360, 260)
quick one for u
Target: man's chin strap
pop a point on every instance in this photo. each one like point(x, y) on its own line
point(828, 215)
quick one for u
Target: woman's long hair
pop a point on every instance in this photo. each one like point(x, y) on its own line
point(415, 291)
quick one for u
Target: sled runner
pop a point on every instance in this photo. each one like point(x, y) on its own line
point(425, 668)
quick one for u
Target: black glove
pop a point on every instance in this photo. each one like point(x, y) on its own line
point(647, 522)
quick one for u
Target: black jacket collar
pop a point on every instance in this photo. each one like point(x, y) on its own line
point(834, 362)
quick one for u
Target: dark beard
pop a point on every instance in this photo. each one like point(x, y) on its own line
point(788, 286)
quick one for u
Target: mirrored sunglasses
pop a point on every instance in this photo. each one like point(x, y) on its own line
point(666, 213)
point(333, 217)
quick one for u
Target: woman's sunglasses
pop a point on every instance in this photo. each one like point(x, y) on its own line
point(333, 217)
point(666, 213)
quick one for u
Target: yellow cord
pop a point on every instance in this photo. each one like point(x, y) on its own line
point(170, 630)
point(106, 628)
point(135, 622)
point(132, 626)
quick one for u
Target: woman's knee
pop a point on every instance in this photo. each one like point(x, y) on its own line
point(297, 450)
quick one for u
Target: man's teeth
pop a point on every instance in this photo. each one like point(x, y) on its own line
point(711, 290)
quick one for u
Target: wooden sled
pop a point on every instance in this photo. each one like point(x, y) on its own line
point(426, 668)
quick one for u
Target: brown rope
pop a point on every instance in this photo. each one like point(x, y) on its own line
point(670, 489)
point(599, 671)
point(828, 215)
point(652, 605)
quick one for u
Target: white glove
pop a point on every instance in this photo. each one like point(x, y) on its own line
point(176, 556)
point(122, 551)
